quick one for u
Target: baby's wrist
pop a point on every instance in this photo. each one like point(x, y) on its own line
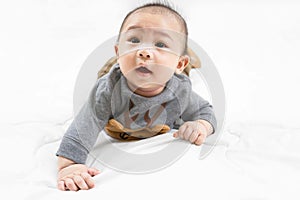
point(64, 162)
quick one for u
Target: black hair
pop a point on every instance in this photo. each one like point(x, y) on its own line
point(162, 6)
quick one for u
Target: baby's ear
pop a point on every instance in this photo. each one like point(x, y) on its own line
point(182, 63)
point(117, 50)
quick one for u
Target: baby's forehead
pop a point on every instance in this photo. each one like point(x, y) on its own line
point(152, 33)
point(160, 13)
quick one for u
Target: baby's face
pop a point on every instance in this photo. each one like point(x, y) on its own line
point(149, 51)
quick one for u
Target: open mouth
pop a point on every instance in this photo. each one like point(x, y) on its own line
point(144, 70)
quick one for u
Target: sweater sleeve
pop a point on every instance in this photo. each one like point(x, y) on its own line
point(198, 108)
point(86, 126)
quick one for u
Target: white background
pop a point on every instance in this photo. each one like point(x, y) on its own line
point(254, 45)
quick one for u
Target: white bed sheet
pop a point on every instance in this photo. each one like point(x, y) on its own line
point(250, 161)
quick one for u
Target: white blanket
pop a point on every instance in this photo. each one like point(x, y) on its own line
point(251, 161)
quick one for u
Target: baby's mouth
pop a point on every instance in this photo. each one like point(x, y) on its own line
point(143, 70)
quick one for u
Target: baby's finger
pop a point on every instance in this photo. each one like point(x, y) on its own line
point(88, 179)
point(175, 135)
point(70, 184)
point(80, 182)
point(193, 137)
point(187, 133)
point(200, 139)
point(61, 185)
point(93, 171)
point(181, 131)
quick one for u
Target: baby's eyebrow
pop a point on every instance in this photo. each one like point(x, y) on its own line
point(133, 27)
point(156, 32)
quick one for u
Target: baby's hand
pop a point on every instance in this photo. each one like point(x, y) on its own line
point(76, 177)
point(193, 131)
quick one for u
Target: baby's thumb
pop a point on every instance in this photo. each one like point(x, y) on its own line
point(93, 171)
point(175, 135)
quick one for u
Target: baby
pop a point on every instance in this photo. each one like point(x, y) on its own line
point(144, 94)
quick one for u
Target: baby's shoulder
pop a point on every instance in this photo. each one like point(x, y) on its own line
point(184, 80)
point(110, 79)
point(180, 86)
point(105, 84)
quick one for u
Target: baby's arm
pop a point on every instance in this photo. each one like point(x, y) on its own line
point(194, 131)
point(73, 176)
point(199, 120)
point(79, 139)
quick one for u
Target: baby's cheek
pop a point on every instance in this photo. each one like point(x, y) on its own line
point(164, 73)
point(126, 63)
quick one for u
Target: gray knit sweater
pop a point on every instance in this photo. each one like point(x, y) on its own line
point(110, 98)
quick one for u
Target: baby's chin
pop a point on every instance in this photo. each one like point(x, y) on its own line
point(150, 89)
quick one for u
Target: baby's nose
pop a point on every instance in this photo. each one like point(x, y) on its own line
point(144, 54)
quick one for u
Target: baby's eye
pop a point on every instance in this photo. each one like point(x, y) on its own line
point(134, 40)
point(160, 44)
